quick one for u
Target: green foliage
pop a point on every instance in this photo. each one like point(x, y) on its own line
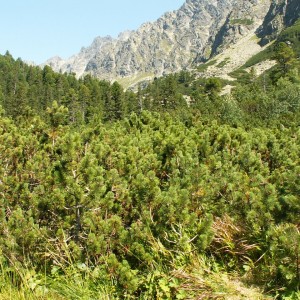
point(120, 194)
point(57, 115)
point(213, 86)
point(223, 63)
point(286, 62)
point(241, 76)
point(123, 197)
point(204, 66)
point(23, 86)
point(241, 22)
point(291, 36)
point(284, 246)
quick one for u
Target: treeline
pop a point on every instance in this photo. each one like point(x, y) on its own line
point(26, 89)
point(253, 100)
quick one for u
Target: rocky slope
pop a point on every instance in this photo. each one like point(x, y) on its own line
point(196, 32)
point(282, 13)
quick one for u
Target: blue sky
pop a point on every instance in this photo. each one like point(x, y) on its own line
point(36, 30)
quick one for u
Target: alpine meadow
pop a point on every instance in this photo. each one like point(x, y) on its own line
point(160, 165)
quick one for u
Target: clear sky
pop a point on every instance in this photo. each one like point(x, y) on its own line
point(36, 30)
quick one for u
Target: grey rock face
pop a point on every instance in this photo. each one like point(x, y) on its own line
point(281, 13)
point(196, 32)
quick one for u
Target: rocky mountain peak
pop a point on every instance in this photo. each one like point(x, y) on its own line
point(194, 33)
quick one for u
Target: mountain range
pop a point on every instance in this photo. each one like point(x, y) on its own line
point(229, 31)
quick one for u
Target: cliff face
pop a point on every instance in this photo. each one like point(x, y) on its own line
point(196, 32)
point(281, 13)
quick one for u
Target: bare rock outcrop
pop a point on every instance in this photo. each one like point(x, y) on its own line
point(198, 31)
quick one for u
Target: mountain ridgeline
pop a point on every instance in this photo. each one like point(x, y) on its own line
point(180, 39)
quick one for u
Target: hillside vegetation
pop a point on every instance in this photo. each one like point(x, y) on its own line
point(173, 192)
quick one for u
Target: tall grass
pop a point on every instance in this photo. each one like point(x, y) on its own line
point(173, 274)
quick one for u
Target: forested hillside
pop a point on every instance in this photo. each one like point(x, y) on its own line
point(172, 192)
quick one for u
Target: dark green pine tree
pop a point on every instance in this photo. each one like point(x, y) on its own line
point(169, 96)
point(286, 59)
point(131, 103)
point(71, 101)
point(48, 87)
point(84, 99)
point(115, 106)
point(1, 97)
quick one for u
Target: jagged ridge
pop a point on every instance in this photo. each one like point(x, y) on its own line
point(199, 30)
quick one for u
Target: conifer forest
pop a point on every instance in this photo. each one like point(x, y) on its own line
point(169, 191)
